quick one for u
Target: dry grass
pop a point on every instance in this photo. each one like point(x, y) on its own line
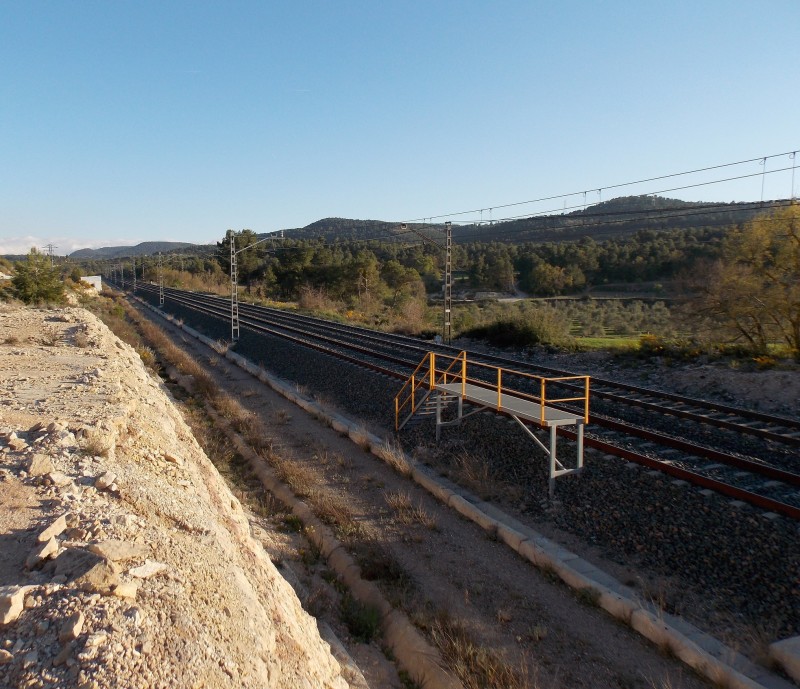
point(221, 347)
point(96, 444)
point(327, 505)
point(232, 410)
point(392, 453)
point(477, 666)
point(147, 355)
point(398, 501)
point(299, 478)
point(50, 336)
point(360, 436)
point(665, 682)
point(407, 512)
point(378, 563)
point(334, 511)
point(474, 473)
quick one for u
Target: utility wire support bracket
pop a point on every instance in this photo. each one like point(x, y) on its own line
point(234, 290)
point(235, 277)
point(448, 282)
point(160, 281)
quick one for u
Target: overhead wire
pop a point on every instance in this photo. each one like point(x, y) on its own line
point(560, 211)
point(605, 187)
point(578, 211)
point(613, 218)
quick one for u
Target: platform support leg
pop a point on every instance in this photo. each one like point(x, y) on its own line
point(580, 446)
point(438, 417)
point(552, 482)
point(460, 409)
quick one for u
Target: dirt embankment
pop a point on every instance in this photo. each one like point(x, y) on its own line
point(126, 561)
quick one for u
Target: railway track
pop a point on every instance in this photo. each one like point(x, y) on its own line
point(747, 455)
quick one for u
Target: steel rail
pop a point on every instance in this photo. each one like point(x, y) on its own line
point(415, 345)
point(258, 324)
point(691, 477)
point(192, 298)
point(597, 391)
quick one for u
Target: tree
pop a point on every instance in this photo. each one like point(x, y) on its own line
point(403, 283)
point(753, 290)
point(248, 263)
point(36, 280)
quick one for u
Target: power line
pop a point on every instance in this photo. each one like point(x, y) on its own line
point(611, 186)
point(427, 221)
point(560, 211)
point(633, 216)
point(415, 233)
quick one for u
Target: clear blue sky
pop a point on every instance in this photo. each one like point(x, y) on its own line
point(123, 122)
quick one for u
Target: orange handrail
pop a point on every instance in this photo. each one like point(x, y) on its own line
point(412, 382)
point(432, 376)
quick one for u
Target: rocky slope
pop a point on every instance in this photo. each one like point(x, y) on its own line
point(126, 561)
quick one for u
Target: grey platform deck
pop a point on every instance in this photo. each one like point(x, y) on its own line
point(516, 406)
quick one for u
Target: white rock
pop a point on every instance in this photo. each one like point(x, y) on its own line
point(127, 589)
point(17, 444)
point(105, 480)
point(41, 553)
point(63, 655)
point(39, 465)
point(787, 654)
point(5, 657)
point(72, 627)
point(55, 529)
point(96, 639)
point(173, 458)
point(58, 478)
point(12, 602)
point(117, 551)
point(68, 440)
point(149, 569)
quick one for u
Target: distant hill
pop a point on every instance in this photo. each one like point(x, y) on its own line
point(617, 217)
point(614, 218)
point(331, 229)
point(143, 249)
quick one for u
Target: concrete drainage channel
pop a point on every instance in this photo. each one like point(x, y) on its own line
point(702, 652)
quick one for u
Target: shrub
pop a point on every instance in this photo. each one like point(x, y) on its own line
point(362, 620)
point(532, 327)
point(36, 281)
point(651, 345)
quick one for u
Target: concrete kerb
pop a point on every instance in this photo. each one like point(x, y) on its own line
point(471, 512)
point(626, 610)
point(787, 654)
